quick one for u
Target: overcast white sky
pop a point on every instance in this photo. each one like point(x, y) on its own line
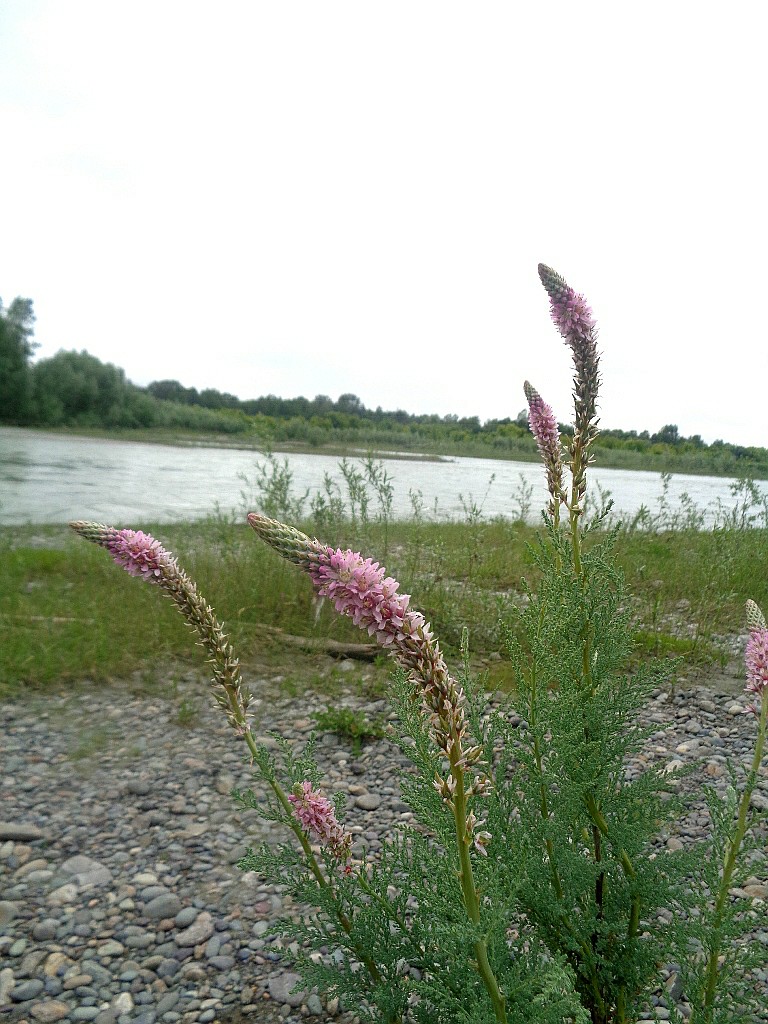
point(325, 197)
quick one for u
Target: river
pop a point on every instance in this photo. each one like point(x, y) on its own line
point(52, 478)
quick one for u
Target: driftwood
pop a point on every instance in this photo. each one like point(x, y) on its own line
point(336, 648)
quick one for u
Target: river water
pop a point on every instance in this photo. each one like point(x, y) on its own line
point(52, 478)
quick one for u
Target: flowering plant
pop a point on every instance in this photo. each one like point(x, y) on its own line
point(528, 889)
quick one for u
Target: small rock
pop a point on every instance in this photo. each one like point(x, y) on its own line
point(167, 905)
point(76, 980)
point(123, 1003)
point(111, 948)
point(314, 1005)
point(185, 917)
point(54, 963)
point(19, 832)
point(8, 911)
point(48, 1013)
point(45, 930)
point(198, 932)
point(64, 894)
point(368, 801)
point(26, 990)
point(281, 986)
point(86, 872)
point(7, 982)
point(106, 1017)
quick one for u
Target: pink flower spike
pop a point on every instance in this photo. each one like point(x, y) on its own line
point(756, 660)
point(317, 816)
point(570, 312)
point(545, 429)
point(139, 554)
point(360, 589)
point(143, 556)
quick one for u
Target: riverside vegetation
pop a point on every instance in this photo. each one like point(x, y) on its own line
point(526, 893)
point(62, 609)
point(76, 391)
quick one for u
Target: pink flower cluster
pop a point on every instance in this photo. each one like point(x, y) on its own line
point(143, 556)
point(360, 589)
point(756, 659)
point(573, 317)
point(756, 655)
point(542, 420)
point(139, 554)
point(570, 312)
point(317, 816)
point(547, 433)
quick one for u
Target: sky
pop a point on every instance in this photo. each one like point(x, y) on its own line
point(321, 198)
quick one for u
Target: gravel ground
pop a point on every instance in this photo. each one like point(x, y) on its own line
point(120, 902)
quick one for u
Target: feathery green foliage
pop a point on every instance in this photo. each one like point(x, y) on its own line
point(530, 887)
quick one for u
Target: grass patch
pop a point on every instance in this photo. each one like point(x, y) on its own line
point(350, 725)
point(68, 614)
point(91, 742)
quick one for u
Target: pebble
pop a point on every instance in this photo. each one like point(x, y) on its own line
point(50, 1012)
point(120, 899)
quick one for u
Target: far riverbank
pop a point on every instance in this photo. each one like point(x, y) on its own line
point(704, 462)
point(48, 477)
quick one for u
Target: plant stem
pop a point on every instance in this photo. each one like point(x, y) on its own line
point(469, 891)
point(710, 986)
point(314, 867)
point(544, 803)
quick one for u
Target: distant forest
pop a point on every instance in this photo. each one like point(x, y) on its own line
point(76, 390)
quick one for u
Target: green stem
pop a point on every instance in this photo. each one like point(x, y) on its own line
point(538, 756)
point(469, 890)
point(742, 824)
point(314, 867)
point(600, 826)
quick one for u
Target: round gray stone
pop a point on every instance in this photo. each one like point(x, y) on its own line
point(26, 990)
point(281, 986)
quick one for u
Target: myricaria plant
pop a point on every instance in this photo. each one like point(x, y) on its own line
point(531, 886)
point(718, 974)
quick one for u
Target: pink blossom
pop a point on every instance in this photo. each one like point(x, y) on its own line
point(573, 317)
point(143, 556)
point(542, 420)
point(361, 590)
point(547, 433)
point(139, 554)
point(570, 312)
point(316, 815)
point(756, 659)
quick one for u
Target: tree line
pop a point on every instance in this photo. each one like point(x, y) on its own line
point(75, 389)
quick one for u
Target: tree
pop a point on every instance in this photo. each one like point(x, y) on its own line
point(16, 348)
point(350, 404)
point(75, 387)
point(668, 434)
point(172, 391)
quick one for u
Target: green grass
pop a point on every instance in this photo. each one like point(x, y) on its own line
point(350, 725)
point(68, 614)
